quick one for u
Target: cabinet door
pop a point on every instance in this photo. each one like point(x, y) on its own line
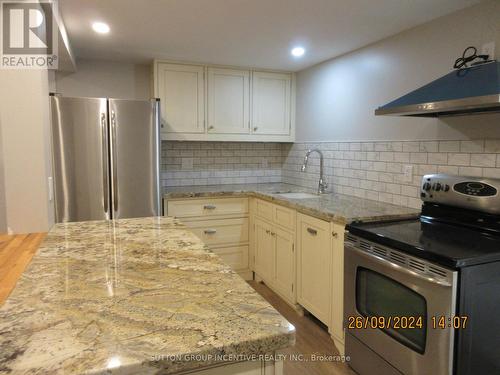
point(182, 96)
point(228, 101)
point(285, 263)
point(314, 266)
point(264, 251)
point(271, 103)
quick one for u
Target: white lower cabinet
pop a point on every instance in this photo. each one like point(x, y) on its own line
point(274, 251)
point(235, 256)
point(221, 223)
point(285, 263)
point(314, 266)
point(264, 251)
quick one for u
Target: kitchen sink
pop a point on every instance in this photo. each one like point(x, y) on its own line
point(298, 195)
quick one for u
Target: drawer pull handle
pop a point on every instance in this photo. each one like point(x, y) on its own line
point(210, 231)
point(312, 231)
point(209, 207)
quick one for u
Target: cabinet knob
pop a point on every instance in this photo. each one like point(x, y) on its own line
point(255, 128)
point(210, 128)
point(335, 234)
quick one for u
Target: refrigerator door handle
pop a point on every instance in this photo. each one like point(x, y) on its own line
point(105, 171)
point(114, 157)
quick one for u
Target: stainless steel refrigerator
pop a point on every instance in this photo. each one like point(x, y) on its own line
point(106, 155)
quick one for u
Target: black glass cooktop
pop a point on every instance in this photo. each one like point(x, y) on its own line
point(448, 245)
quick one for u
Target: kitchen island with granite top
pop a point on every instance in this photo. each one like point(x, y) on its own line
point(136, 296)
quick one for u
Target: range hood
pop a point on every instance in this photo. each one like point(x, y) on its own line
point(464, 91)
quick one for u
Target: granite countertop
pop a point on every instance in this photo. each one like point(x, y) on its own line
point(339, 208)
point(131, 296)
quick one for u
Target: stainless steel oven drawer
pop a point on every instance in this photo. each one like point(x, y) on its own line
point(379, 281)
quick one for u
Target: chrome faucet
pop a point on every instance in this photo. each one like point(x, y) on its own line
point(322, 185)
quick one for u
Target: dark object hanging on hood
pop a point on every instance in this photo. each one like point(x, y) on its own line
point(469, 90)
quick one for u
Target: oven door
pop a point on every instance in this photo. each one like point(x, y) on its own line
point(381, 282)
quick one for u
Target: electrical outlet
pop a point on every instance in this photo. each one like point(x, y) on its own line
point(488, 49)
point(408, 173)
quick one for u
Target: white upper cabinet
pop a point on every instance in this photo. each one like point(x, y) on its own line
point(271, 103)
point(181, 90)
point(214, 103)
point(228, 101)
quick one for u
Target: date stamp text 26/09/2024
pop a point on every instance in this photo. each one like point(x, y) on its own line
point(406, 322)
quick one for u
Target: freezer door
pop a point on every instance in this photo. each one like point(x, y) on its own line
point(80, 158)
point(135, 157)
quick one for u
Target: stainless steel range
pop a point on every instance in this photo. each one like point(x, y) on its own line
point(422, 296)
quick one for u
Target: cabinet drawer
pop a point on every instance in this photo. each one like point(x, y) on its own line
point(219, 232)
point(264, 209)
point(234, 256)
point(284, 216)
point(207, 207)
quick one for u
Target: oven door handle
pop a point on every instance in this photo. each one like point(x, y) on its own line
point(397, 267)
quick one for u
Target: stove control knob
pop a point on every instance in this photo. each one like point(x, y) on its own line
point(427, 186)
point(437, 187)
point(446, 187)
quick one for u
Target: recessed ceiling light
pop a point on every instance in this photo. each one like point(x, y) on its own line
point(298, 51)
point(100, 27)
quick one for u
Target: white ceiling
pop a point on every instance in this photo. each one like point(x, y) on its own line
point(257, 33)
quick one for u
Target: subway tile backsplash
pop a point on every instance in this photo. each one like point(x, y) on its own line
point(375, 170)
point(217, 163)
point(372, 170)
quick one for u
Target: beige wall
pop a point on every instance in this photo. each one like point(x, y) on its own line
point(24, 122)
point(336, 99)
point(95, 78)
point(3, 217)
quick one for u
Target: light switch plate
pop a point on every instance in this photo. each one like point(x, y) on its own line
point(408, 173)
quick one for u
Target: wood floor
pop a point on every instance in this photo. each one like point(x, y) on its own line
point(311, 338)
point(16, 252)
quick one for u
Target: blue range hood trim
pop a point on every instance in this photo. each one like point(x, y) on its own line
point(464, 91)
